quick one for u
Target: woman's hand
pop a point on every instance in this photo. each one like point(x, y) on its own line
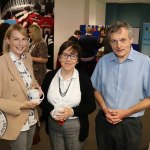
point(63, 114)
point(68, 112)
point(29, 104)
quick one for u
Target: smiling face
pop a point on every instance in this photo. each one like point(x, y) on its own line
point(120, 42)
point(18, 43)
point(68, 59)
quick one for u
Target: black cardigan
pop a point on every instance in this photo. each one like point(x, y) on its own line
point(86, 106)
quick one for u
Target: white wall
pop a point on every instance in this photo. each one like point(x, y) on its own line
point(70, 14)
point(92, 12)
point(97, 12)
point(100, 13)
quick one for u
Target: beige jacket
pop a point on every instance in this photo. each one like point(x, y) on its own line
point(12, 93)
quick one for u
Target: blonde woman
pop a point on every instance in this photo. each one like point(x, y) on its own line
point(39, 52)
point(16, 78)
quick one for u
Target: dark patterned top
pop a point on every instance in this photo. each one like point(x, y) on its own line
point(40, 50)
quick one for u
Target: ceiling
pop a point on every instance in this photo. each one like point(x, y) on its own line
point(126, 1)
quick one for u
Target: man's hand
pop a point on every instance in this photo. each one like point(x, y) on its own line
point(115, 116)
point(111, 116)
point(119, 113)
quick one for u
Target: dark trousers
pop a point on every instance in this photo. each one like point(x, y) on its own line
point(125, 135)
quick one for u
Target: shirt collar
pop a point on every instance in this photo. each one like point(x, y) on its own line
point(75, 74)
point(131, 56)
point(15, 58)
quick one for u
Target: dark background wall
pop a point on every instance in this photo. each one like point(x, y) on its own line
point(134, 13)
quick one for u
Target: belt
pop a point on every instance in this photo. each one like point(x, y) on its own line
point(88, 58)
point(127, 118)
point(132, 118)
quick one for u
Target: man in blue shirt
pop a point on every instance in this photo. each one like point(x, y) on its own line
point(122, 88)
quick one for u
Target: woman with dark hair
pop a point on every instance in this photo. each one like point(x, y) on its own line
point(68, 100)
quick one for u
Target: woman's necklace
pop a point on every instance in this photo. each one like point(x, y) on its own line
point(31, 47)
point(61, 93)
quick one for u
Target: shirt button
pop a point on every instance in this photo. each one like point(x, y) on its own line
point(12, 79)
point(14, 95)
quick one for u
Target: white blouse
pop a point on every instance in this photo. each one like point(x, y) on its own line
point(27, 81)
point(66, 93)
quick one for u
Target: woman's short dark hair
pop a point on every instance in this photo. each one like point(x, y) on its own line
point(75, 47)
point(77, 32)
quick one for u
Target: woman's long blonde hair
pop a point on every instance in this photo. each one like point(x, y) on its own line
point(8, 34)
point(36, 33)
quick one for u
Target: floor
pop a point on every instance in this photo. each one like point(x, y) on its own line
point(90, 144)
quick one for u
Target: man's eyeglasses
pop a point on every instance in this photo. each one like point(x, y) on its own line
point(72, 56)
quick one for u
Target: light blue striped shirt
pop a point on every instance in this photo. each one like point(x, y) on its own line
point(123, 85)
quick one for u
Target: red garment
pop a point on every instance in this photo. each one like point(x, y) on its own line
point(47, 24)
point(34, 18)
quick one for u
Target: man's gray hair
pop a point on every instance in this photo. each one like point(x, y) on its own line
point(115, 27)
